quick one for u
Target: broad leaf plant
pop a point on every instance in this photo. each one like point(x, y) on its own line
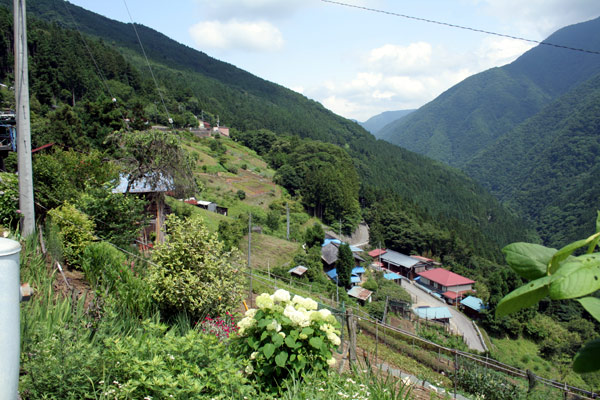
point(559, 275)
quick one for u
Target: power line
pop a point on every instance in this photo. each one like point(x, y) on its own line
point(148, 63)
point(467, 28)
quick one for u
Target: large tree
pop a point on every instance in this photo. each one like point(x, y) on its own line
point(344, 265)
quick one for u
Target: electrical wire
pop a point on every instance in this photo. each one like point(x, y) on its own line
point(148, 63)
point(467, 28)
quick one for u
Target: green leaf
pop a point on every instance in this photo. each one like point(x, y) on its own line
point(316, 342)
point(598, 222)
point(591, 305)
point(277, 339)
point(308, 331)
point(588, 358)
point(566, 251)
point(290, 341)
point(577, 278)
point(281, 359)
point(268, 350)
point(529, 260)
point(525, 296)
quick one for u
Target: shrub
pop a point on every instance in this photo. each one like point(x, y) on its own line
point(9, 199)
point(241, 194)
point(107, 270)
point(488, 384)
point(75, 232)
point(287, 336)
point(193, 273)
point(222, 328)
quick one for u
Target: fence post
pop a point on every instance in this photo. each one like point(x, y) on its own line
point(455, 371)
point(351, 321)
point(376, 340)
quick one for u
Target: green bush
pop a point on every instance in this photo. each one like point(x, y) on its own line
point(9, 199)
point(110, 274)
point(241, 194)
point(286, 336)
point(192, 272)
point(75, 232)
point(488, 384)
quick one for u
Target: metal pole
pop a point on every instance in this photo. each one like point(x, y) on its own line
point(23, 122)
point(10, 331)
point(287, 213)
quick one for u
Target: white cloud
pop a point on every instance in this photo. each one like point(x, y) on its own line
point(235, 34)
point(249, 9)
point(401, 59)
point(541, 17)
point(500, 51)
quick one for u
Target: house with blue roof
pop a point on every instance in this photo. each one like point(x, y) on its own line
point(472, 306)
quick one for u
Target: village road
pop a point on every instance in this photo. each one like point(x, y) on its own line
point(459, 322)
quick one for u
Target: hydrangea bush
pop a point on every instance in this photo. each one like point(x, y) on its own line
point(286, 335)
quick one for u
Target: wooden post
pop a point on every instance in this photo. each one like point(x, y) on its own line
point(455, 371)
point(376, 341)
point(351, 321)
point(160, 217)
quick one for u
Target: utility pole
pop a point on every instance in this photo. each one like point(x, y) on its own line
point(249, 250)
point(287, 214)
point(23, 122)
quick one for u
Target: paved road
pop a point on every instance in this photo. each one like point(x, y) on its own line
point(459, 323)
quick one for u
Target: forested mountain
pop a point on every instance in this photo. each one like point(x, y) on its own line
point(377, 122)
point(472, 115)
point(548, 167)
point(71, 105)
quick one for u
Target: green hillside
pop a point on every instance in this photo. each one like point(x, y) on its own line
point(377, 122)
point(470, 116)
point(548, 167)
point(73, 105)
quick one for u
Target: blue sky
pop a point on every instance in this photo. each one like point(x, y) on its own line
point(355, 62)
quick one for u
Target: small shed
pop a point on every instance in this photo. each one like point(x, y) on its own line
point(298, 271)
point(441, 314)
point(363, 295)
point(472, 306)
point(392, 276)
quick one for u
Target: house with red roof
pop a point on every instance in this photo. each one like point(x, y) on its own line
point(452, 286)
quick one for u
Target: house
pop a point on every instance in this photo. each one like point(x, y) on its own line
point(207, 205)
point(329, 255)
point(452, 286)
point(332, 274)
point(405, 265)
point(363, 295)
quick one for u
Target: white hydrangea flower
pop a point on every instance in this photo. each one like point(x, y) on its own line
point(331, 362)
point(333, 338)
point(264, 302)
point(250, 313)
point(282, 334)
point(274, 326)
point(281, 296)
point(253, 355)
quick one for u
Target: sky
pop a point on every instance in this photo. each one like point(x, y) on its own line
point(357, 63)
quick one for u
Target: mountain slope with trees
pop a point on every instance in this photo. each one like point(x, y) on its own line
point(72, 107)
point(472, 115)
point(377, 122)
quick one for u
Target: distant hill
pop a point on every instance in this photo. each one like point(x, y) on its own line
point(548, 167)
point(375, 123)
point(475, 113)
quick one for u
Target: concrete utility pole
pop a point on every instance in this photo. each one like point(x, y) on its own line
point(23, 122)
point(287, 215)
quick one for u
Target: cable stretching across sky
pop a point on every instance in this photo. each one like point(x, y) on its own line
point(462, 27)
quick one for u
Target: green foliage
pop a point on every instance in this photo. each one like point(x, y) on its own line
point(241, 194)
point(486, 383)
point(116, 280)
point(560, 275)
point(9, 199)
point(193, 274)
point(231, 232)
point(62, 175)
point(344, 265)
point(75, 232)
point(118, 217)
point(287, 336)
point(314, 235)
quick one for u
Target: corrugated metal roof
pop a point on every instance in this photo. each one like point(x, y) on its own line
point(329, 253)
point(445, 277)
point(392, 276)
point(433, 312)
point(377, 252)
point(299, 270)
point(145, 185)
point(360, 293)
point(358, 270)
point(393, 257)
point(473, 303)
point(332, 274)
point(354, 279)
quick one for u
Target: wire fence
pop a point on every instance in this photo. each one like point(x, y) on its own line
point(435, 356)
